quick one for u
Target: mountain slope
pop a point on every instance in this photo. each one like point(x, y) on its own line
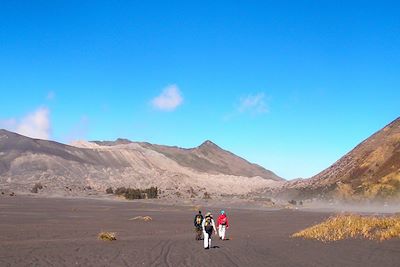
point(371, 170)
point(208, 157)
point(72, 169)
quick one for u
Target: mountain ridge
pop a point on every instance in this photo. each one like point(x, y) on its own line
point(101, 164)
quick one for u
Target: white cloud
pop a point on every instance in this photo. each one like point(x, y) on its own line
point(35, 124)
point(254, 104)
point(169, 99)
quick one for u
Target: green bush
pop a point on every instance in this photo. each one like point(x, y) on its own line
point(151, 192)
point(132, 193)
point(120, 191)
point(109, 190)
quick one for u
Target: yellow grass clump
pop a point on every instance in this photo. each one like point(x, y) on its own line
point(107, 236)
point(143, 218)
point(353, 226)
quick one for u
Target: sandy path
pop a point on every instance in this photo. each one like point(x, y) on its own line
point(62, 232)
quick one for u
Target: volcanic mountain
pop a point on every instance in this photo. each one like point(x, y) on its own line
point(370, 171)
point(95, 166)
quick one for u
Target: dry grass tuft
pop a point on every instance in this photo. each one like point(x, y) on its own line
point(107, 236)
point(353, 226)
point(142, 218)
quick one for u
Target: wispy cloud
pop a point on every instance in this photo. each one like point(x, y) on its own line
point(253, 104)
point(169, 99)
point(35, 124)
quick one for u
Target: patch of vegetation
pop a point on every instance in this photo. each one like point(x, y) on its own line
point(151, 192)
point(35, 189)
point(142, 218)
point(109, 190)
point(206, 195)
point(132, 193)
point(353, 226)
point(192, 193)
point(120, 191)
point(387, 187)
point(294, 202)
point(382, 189)
point(107, 236)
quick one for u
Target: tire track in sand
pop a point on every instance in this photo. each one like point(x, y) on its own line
point(162, 257)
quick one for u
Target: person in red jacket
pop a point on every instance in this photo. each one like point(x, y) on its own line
point(222, 225)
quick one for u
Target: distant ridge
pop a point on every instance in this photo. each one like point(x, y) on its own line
point(178, 172)
point(209, 157)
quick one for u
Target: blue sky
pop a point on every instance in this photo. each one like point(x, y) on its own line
point(290, 85)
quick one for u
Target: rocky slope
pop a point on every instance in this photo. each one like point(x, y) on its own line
point(95, 166)
point(370, 171)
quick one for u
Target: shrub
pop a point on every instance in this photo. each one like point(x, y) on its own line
point(120, 190)
point(107, 236)
point(142, 218)
point(206, 195)
point(293, 202)
point(36, 187)
point(109, 190)
point(151, 192)
point(132, 193)
point(192, 192)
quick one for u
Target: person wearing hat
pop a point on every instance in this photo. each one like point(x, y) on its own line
point(208, 226)
point(222, 225)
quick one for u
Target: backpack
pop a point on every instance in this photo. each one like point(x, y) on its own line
point(198, 219)
point(208, 225)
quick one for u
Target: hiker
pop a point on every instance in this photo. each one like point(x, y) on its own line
point(222, 225)
point(198, 219)
point(208, 226)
